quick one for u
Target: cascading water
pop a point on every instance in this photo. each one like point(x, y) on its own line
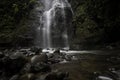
point(53, 32)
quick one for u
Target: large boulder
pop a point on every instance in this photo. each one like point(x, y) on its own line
point(27, 68)
point(57, 51)
point(1, 55)
point(56, 57)
point(28, 76)
point(13, 65)
point(16, 55)
point(40, 67)
point(36, 50)
point(57, 76)
point(14, 77)
point(39, 58)
point(39, 63)
point(1, 62)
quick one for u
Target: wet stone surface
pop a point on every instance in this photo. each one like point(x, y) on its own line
point(21, 65)
point(58, 65)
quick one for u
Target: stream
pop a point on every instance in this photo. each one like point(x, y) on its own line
point(81, 65)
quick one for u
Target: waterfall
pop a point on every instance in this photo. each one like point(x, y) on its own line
point(53, 33)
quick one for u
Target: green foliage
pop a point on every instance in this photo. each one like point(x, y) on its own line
point(106, 14)
point(16, 9)
point(99, 18)
point(12, 14)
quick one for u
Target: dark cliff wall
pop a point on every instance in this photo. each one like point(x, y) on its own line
point(18, 21)
point(14, 15)
point(95, 23)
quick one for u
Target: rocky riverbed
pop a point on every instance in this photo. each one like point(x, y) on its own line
point(38, 64)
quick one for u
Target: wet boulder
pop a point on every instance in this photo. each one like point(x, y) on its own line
point(40, 67)
point(1, 55)
point(1, 62)
point(3, 78)
point(16, 55)
point(68, 57)
point(39, 63)
point(53, 60)
point(39, 58)
point(51, 76)
point(36, 50)
point(28, 76)
point(26, 68)
point(27, 52)
point(14, 77)
point(56, 57)
point(104, 78)
point(62, 75)
point(13, 65)
point(57, 51)
point(57, 76)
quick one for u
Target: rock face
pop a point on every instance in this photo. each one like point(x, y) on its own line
point(61, 26)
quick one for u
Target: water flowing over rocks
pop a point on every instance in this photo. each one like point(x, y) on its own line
point(55, 23)
point(52, 64)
